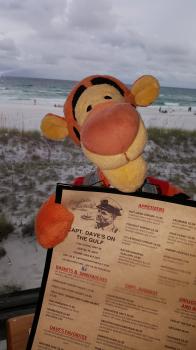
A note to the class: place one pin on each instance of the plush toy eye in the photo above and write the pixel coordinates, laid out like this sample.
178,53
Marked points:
107,97
89,108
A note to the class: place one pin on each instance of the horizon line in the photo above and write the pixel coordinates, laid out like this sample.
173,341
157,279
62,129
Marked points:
76,81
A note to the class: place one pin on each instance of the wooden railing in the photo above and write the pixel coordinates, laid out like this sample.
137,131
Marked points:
15,304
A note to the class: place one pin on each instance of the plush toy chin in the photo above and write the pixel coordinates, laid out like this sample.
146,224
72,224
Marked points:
129,177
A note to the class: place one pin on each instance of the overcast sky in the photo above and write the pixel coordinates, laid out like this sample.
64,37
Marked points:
70,39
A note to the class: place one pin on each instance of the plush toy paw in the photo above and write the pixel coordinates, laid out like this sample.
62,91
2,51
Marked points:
53,223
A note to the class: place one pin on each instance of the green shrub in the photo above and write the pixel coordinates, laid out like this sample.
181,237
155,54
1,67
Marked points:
2,252
28,229
6,227
10,288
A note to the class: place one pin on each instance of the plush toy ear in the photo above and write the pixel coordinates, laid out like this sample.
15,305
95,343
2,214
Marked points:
145,90
54,127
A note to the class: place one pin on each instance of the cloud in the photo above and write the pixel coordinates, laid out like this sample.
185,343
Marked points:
91,15
7,45
70,39
9,54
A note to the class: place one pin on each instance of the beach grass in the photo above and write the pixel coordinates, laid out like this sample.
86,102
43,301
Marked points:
9,132
161,135
30,165
158,135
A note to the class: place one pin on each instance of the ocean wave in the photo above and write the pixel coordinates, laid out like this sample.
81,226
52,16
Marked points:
171,104
22,98
3,88
50,91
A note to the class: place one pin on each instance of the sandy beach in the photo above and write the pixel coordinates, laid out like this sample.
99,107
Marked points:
24,116
28,117
175,118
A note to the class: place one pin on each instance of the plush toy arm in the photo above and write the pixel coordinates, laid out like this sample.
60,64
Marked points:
52,224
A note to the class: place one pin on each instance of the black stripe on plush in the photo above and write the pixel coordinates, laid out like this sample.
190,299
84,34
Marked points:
102,80
76,133
77,94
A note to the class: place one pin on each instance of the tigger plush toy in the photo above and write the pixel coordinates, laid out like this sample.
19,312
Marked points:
100,116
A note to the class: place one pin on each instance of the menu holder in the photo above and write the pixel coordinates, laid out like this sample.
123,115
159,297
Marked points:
125,276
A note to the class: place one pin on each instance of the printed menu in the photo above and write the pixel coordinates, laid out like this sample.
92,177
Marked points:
124,278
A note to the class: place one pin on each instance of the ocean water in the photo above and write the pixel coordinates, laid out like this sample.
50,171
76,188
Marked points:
51,91
27,90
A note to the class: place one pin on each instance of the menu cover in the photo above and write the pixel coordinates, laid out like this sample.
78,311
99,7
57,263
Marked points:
124,278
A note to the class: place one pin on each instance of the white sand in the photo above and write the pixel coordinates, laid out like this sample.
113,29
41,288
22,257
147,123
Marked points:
175,118
25,117
25,258
28,117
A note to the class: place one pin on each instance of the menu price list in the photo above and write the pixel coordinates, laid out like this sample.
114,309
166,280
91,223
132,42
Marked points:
130,287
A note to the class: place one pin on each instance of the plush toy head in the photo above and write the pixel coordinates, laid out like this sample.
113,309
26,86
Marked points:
100,115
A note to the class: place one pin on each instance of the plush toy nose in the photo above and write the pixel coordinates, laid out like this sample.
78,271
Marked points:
110,128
